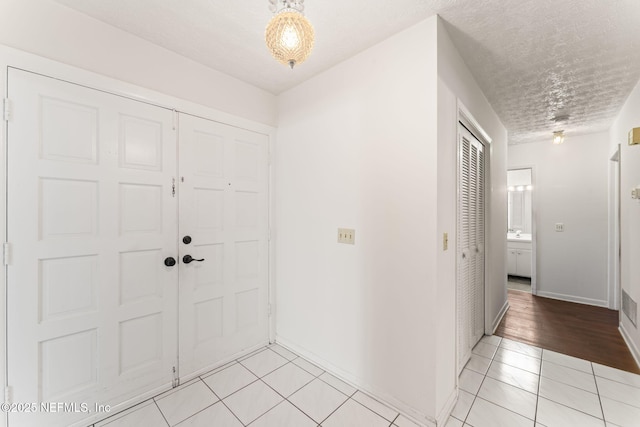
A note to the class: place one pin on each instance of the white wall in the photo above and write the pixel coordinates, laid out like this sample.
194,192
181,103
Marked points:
56,32
371,144
570,187
628,118
457,82
357,148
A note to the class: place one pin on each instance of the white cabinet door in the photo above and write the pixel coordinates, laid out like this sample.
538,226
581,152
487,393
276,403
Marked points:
512,262
91,306
224,211
524,263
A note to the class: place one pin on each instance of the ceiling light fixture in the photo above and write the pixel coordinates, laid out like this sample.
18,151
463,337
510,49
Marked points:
289,35
558,137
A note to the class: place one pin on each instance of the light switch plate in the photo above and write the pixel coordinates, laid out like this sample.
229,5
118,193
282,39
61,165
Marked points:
634,136
347,236
559,227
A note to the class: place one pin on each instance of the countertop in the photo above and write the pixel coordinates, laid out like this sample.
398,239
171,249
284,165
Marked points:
524,237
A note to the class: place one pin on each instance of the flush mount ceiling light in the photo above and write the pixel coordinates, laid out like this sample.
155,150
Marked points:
558,137
289,35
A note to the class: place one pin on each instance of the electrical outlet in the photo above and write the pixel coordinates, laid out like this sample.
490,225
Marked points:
559,227
347,236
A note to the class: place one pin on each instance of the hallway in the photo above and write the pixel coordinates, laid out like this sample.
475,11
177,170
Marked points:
583,331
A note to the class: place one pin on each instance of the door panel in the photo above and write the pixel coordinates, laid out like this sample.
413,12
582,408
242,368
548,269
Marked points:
223,208
91,216
470,249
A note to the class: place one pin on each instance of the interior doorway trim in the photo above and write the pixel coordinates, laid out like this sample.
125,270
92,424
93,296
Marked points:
614,283
466,119
534,269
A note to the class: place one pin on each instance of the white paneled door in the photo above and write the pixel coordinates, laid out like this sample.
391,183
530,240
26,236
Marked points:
91,216
96,309
223,227
470,250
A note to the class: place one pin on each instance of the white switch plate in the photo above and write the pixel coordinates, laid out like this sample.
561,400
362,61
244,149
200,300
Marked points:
347,236
559,227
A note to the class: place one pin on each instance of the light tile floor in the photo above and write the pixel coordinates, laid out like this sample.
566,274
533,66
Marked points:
510,384
506,383
271,387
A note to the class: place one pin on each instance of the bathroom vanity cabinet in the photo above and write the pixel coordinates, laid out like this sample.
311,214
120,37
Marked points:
519,257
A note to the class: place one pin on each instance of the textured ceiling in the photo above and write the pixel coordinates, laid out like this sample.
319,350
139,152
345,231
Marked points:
541,59
534,59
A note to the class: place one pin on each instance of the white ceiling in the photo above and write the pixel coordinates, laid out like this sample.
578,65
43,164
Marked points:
534,59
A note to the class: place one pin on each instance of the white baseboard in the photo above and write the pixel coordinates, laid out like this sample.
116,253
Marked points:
572,298
421,420
632,346
444,415
498,319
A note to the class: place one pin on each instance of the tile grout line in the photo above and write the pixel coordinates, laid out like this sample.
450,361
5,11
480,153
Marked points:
286,399
539,375
335,410
475,397
320,379
252,382
222,401
598,392
578,388
365,406
349,397
496,404
535,414
161,413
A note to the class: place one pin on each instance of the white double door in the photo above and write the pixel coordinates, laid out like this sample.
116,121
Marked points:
101,191
470,247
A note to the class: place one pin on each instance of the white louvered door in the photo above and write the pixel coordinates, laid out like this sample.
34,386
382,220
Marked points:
470,244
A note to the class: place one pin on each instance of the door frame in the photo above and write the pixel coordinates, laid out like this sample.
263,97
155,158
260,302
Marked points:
14,58
614,282
534,270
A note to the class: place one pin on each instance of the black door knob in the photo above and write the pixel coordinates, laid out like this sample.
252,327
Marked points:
169,261
188,258
186,240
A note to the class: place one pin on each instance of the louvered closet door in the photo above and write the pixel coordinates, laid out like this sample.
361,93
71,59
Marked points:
470,245
224,210
92,309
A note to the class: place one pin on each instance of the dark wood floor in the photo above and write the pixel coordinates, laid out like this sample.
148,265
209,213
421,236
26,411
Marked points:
578,330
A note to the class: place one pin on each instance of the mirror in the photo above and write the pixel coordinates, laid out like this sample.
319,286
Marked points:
519,196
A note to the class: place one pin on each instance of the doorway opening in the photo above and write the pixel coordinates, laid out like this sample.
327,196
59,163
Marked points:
521,230
614,232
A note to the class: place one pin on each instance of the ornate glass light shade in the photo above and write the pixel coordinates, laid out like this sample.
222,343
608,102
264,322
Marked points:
558,137
289,35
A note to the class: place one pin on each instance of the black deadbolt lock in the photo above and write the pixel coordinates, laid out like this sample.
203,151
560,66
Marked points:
169,261
186,240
